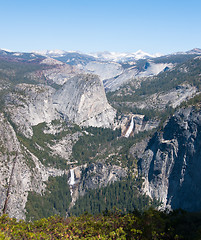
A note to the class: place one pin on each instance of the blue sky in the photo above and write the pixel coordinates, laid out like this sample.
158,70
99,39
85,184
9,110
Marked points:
101,25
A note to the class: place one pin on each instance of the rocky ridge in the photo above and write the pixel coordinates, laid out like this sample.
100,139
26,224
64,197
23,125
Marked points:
30,105
61,73
170,162
133,73
173,98
28,172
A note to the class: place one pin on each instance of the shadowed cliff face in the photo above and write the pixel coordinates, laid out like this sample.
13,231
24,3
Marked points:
171,162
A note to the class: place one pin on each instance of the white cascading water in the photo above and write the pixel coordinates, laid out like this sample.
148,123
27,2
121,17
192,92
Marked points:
130,129
72,177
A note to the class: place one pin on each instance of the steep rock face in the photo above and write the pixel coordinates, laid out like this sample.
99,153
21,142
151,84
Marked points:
171,162
24,169
91,176
134,123
99,174
82,100
30,105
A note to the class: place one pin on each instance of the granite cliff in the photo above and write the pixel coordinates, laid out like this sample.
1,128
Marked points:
82,100
170,162
21,170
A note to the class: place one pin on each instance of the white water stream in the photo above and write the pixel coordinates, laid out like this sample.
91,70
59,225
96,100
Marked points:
72,177
130,129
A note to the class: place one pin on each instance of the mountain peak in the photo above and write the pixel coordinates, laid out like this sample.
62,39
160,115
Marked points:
6,50
52,53
123,56
194,51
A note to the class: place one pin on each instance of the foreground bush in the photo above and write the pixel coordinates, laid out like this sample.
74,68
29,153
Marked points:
110,225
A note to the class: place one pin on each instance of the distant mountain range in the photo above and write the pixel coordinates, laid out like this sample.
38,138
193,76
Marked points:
114,69
112,56
69,56
100,56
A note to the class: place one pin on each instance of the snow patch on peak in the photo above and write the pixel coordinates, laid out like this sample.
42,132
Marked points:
52,53
142,55
7,50
17,54
121,57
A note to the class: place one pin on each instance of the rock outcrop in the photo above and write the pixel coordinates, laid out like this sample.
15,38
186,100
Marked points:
82,100
91,176
30,105
172,98
132,124
171,162
135,74
22,169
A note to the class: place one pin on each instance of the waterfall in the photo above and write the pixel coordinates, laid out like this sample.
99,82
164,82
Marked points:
130,129
72,177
